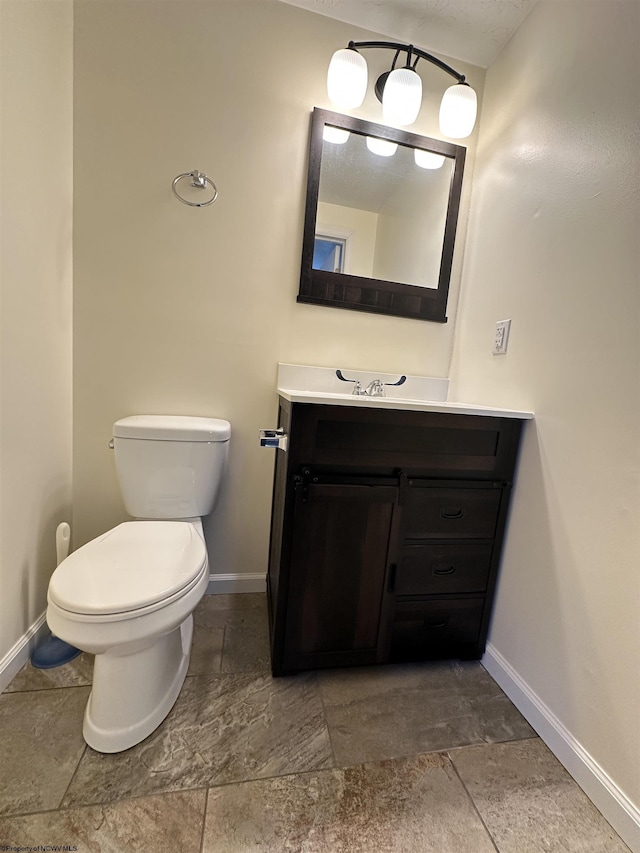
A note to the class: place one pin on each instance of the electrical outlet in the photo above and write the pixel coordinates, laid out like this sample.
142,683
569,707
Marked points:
501,338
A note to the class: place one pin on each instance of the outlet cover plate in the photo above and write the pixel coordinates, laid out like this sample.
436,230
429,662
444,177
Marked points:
501,338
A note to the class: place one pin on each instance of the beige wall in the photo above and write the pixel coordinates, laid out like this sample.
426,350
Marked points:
185,310
553,244
35,302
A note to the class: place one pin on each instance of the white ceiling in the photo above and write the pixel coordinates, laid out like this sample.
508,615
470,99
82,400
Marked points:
474,31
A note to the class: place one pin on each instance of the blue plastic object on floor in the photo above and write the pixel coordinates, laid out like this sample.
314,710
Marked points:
53,652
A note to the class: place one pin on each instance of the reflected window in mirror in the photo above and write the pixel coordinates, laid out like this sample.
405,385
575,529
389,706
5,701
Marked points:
393,198
329,252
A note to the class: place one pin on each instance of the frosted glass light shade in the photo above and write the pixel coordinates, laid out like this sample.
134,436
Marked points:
427,159
337,135
402,97
347,78
458,111
382,147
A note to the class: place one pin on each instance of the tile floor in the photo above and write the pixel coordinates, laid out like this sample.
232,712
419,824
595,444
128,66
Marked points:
421,758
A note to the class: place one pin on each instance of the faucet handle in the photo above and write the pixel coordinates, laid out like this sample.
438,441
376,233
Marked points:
400,381
357,385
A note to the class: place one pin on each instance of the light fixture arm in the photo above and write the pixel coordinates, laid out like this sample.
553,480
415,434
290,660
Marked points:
410,49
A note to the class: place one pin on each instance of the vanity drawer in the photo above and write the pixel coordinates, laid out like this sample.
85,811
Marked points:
446,628
437,513
443,568
427,444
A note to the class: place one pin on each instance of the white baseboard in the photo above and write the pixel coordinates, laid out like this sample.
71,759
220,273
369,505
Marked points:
19,654
616,807
221,584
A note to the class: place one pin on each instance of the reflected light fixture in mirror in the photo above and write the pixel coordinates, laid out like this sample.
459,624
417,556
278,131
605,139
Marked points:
427,159
335,134
381,147
400,89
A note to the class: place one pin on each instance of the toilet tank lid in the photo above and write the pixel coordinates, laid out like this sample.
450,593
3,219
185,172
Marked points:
172,428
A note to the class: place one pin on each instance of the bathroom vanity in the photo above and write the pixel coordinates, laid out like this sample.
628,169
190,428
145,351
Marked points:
387,525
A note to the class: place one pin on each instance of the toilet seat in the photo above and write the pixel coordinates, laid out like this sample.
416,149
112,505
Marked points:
136,568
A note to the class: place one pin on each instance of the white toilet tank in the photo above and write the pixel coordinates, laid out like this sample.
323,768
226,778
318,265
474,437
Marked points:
170,466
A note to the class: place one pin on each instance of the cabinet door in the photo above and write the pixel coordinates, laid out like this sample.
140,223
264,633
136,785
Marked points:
343,542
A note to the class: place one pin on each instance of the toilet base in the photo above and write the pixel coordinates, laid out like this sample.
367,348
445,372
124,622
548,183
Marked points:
133,693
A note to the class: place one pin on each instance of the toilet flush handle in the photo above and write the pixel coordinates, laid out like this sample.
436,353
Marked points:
111,445
274,438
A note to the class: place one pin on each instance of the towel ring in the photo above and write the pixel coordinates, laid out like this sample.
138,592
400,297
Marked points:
198,180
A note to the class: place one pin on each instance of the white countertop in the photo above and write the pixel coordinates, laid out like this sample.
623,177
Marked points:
319,385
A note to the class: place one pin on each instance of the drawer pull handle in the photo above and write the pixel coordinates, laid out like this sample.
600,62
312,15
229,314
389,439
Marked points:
444,569
441,624
451,512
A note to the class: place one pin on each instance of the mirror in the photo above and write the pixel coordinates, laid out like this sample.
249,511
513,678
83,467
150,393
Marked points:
380,220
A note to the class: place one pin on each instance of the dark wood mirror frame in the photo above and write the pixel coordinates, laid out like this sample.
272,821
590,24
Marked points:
320,287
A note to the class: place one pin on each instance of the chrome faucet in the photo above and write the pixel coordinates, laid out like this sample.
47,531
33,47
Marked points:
374,389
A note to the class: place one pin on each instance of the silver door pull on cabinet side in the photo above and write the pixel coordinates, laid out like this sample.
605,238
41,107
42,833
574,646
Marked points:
274,438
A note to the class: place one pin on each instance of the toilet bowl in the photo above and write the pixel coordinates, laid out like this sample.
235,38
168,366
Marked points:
128,596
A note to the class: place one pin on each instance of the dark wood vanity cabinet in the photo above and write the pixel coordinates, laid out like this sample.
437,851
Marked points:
386,533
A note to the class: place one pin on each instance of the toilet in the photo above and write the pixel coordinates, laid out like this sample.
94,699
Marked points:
128,596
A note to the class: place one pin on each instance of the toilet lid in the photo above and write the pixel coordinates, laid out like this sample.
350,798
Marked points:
136,564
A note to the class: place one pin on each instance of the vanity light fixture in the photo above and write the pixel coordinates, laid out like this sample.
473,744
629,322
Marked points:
400,89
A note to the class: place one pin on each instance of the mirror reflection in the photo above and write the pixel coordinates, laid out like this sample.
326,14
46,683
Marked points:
382,209
380,220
